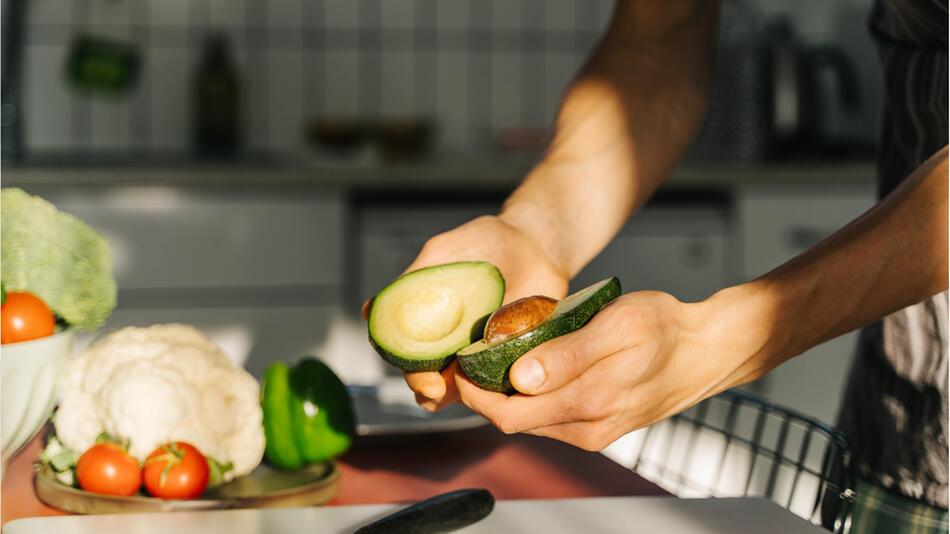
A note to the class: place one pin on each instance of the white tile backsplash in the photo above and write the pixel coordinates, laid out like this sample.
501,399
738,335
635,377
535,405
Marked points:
284,76
225,13
506,90
341,14
453,14
473,89
452,99
111,123
341,84
169,98
169,12
50,11
397,89
398,13
285,13
44,90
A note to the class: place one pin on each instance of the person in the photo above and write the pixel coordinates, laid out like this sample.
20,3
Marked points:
622,125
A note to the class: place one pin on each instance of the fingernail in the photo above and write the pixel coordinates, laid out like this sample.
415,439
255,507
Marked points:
529,374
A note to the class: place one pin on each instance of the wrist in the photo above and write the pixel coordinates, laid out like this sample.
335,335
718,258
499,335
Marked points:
742,327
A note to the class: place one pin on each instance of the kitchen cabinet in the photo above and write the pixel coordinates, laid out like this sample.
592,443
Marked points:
166,238
681,250
390,237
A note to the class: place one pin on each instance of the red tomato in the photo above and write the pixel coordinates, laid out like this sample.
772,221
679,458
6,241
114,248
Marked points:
176,470
23,317
106,468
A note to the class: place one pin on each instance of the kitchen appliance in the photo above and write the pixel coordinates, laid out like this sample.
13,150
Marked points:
772,95
802,105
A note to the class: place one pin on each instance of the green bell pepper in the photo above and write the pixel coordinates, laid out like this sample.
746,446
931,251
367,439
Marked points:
308,415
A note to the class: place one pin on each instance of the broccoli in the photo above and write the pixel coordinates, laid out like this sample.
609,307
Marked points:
56,257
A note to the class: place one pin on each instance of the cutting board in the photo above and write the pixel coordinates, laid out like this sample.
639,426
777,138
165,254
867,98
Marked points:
606,515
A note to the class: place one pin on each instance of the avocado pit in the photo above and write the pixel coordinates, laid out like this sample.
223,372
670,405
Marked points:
518,317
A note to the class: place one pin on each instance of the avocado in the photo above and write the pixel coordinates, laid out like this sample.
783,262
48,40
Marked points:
420,320
487,364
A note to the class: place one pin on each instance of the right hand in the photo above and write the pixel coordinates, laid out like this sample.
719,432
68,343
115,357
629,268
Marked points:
527,270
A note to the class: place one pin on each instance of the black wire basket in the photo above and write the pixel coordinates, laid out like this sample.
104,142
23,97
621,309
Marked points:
738,445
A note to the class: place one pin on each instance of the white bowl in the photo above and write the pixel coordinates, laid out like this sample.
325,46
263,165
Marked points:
29,372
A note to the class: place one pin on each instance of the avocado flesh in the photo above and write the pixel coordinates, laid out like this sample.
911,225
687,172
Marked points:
487,364
420,320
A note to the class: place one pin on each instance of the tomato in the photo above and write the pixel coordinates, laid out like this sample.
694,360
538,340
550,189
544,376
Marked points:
23,316
176,470
106,468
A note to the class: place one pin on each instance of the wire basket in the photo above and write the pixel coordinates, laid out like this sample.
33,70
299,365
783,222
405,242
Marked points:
738,445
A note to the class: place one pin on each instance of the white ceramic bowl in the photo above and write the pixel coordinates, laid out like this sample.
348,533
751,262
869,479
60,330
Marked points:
30,371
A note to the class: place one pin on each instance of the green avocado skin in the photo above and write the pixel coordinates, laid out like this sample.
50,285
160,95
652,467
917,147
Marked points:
489,368
414,365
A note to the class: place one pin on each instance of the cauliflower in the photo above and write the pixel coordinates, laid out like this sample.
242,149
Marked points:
159,384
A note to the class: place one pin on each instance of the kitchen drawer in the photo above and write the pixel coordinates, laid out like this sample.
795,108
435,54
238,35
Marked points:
168,237
256,337
683,251
778,223
391,237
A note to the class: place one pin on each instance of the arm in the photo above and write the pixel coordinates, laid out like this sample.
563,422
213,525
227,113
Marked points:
622,126
648,356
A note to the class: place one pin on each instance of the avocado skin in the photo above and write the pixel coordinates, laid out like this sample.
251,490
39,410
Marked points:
414,365
489,368
441,361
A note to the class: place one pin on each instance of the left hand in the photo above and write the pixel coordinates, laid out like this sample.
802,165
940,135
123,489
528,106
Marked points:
644,357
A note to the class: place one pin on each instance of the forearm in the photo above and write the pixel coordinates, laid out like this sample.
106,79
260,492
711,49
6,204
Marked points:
893,256
621,128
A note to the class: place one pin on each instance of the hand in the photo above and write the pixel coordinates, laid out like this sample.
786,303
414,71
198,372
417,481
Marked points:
644,357
526,268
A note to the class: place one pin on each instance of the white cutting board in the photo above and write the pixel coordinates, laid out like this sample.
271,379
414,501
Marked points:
607,515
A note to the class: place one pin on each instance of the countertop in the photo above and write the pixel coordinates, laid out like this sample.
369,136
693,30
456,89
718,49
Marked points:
457,172
393,469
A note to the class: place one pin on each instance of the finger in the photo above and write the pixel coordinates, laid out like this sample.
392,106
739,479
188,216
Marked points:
431,385
434,390
518,413
555,363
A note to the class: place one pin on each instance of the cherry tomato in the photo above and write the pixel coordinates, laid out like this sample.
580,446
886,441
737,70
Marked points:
23,316
106,468
176,470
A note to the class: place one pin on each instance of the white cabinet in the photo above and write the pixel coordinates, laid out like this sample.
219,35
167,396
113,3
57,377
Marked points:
681,250
776,223
390,238
175,237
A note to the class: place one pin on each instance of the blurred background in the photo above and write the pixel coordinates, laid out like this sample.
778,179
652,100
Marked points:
260,168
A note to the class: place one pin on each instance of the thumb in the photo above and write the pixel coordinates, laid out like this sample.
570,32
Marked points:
553,364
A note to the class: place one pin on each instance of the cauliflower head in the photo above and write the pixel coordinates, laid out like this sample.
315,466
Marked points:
158,384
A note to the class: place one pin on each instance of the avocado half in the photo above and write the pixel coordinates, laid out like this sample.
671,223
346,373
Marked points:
421,319
487,364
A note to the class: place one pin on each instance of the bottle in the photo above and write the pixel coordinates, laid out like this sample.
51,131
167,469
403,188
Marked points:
216,101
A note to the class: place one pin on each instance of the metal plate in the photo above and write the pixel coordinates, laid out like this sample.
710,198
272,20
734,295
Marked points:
263,488
382,410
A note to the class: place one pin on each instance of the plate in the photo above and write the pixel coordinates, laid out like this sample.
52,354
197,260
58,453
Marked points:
263,488
389,408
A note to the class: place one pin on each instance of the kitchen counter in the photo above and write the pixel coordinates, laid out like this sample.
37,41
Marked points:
410,468
447,173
